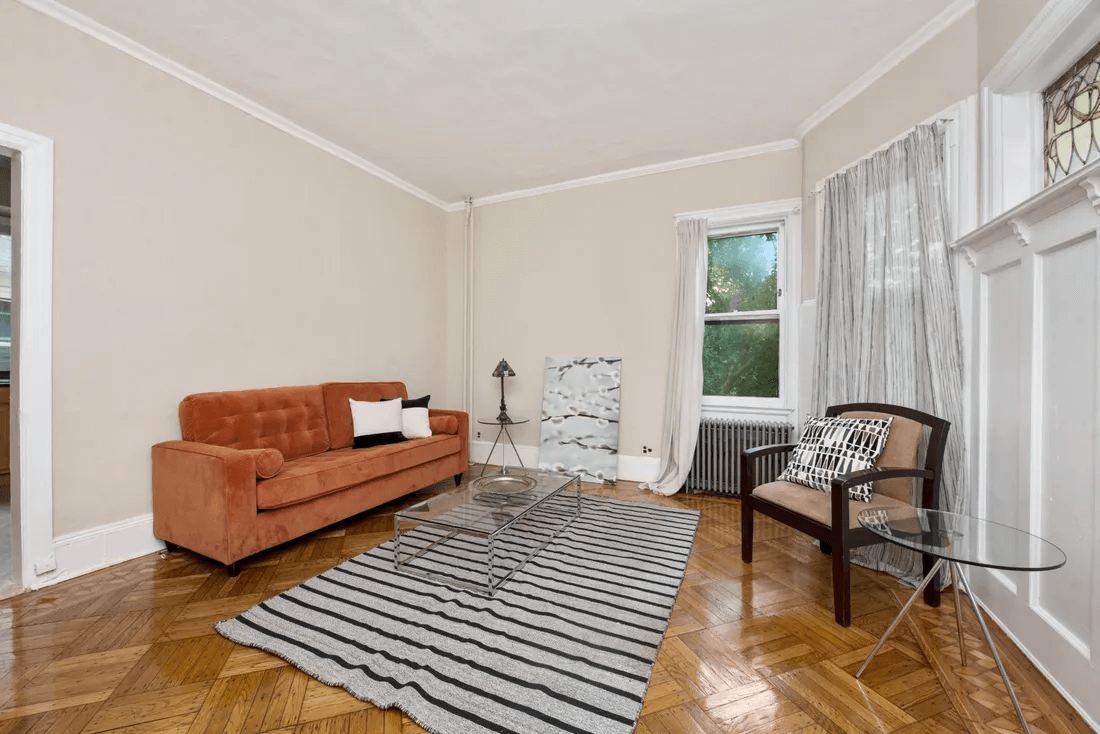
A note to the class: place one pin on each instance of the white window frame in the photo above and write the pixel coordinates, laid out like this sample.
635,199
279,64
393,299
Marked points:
784,217
1011,101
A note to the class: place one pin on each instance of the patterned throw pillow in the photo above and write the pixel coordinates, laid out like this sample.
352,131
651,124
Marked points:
833,446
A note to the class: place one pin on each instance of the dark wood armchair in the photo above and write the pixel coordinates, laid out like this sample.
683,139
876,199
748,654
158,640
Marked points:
830,517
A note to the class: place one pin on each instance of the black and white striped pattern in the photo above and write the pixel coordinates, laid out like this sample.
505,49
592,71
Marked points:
567,645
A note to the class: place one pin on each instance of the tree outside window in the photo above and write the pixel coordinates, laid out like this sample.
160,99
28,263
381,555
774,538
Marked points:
741,332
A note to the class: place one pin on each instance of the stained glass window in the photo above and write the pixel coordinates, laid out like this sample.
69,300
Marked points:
1071,117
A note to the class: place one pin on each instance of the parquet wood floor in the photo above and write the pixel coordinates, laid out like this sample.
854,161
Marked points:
750,648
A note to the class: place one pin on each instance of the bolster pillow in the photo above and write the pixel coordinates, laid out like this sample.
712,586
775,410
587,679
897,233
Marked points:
268,461
443,424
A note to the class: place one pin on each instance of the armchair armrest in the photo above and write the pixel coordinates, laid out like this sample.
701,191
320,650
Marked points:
862,476
748,466
203,497
841,483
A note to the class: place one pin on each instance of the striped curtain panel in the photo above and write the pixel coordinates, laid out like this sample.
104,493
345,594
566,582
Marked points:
887,319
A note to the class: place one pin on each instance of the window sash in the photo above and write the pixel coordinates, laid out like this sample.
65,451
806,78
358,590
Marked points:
751,317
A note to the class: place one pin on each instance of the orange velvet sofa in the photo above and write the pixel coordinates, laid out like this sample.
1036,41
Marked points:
256,468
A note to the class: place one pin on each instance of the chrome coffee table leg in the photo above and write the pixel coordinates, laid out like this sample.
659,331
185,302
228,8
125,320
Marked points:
927,578
993,649
958,612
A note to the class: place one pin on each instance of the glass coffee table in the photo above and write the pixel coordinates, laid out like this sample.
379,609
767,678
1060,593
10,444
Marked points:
478,536
953,539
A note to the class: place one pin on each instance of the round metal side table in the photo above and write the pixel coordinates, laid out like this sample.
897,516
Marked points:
502,430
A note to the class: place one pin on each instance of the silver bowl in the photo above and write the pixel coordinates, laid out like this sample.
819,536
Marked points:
504,483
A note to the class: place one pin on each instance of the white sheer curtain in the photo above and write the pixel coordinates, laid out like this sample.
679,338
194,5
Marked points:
887,321
684,394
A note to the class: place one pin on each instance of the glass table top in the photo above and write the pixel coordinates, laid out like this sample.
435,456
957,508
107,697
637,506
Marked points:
963,539
513,420
486,505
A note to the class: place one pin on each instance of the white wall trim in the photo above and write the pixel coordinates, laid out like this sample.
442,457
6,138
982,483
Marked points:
90,550
944,20
631,468
32,383
1057,36
732,215
702,160
132,48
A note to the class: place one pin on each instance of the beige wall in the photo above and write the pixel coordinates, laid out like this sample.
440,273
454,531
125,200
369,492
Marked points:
939,74
1000,23
591,271
187,259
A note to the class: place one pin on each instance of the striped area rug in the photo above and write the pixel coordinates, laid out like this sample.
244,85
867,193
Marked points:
567,645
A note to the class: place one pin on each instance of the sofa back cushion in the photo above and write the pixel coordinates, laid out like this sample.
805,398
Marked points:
290,419
338,409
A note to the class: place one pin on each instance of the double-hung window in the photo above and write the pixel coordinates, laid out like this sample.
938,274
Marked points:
750,332
742,323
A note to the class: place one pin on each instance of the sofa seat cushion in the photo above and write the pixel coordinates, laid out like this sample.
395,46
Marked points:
818,505
313,476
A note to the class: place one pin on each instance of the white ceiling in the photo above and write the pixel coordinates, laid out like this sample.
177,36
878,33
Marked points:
483,97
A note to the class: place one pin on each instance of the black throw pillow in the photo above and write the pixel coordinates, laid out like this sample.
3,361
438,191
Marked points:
416,402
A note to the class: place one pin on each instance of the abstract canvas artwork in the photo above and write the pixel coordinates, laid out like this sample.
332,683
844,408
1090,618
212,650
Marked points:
580,417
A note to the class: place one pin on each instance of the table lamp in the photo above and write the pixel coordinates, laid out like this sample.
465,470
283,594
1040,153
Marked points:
502,371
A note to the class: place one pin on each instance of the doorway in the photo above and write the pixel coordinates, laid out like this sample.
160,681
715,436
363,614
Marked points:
8,578
31,159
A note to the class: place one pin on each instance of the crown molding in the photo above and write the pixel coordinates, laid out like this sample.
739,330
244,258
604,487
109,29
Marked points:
701,160
128,46
1056,38
944,20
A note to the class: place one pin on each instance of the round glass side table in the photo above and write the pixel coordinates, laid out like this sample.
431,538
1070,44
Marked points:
952,538
502,430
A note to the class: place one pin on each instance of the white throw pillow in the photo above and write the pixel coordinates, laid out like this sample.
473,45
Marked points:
375,423
414,423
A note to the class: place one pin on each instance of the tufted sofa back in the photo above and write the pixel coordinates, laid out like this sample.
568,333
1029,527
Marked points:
290,419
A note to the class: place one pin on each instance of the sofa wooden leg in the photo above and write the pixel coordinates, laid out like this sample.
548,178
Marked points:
233,569
170,547
458,478
826,548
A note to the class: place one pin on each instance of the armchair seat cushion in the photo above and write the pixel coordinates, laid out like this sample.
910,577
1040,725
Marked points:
818,505
313,476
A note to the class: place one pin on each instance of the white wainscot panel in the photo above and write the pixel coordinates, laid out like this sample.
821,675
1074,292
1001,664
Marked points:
1000,488
1032,305
1067,325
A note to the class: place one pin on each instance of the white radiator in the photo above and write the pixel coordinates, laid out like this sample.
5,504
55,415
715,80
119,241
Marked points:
717,464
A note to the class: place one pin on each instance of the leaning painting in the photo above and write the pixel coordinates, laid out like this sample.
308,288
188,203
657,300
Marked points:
580,417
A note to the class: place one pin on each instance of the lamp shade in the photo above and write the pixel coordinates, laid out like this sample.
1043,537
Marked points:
503,369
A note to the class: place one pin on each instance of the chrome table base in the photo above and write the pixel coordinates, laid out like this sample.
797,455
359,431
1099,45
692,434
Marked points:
956,578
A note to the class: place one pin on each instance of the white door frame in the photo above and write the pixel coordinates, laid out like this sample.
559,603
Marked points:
32,371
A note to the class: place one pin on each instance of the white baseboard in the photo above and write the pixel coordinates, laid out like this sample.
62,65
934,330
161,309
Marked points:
1073,702
631,468
90,550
